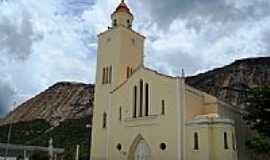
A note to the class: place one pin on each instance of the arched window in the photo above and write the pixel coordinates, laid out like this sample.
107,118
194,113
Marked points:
120,113
104,120
226,146
141,99
163,107
146,99
196,141
135,102
114,22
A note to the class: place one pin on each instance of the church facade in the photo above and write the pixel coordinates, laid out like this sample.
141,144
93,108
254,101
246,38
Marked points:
141,114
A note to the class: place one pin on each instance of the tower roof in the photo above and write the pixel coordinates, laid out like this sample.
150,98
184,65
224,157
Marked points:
122,7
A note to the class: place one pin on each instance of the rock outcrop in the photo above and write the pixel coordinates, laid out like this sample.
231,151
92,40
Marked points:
68,100
229,83
64,100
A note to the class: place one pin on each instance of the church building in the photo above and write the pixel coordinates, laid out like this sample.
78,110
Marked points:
141,114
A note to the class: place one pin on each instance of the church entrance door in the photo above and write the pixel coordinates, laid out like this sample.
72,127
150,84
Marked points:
142,151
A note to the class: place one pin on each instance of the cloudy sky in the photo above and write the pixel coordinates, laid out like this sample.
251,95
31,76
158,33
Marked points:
46,41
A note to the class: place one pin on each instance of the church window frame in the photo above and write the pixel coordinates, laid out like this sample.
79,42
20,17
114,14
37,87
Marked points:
146,99
196,141
115,22
225,141
135,92
106,75
104,120
119,147
163,109
103,76
110,74
120,114
163,146
233,141
141,99
129,23
129,71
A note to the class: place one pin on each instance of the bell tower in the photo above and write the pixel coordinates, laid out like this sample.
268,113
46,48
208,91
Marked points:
122,16
120,51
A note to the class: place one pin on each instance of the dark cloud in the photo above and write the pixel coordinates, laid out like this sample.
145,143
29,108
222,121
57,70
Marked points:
200,12
7,94
16,37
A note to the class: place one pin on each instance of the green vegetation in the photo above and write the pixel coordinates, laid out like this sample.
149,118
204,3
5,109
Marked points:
39,156
258,117
22,132
38,132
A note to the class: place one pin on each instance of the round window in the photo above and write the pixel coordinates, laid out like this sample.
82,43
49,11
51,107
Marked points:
163,146
119,147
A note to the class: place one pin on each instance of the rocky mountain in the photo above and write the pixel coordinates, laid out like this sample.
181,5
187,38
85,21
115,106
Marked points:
229,83
67,100
64,100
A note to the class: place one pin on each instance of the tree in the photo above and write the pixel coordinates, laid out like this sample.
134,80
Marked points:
38,155
258,110
258,118
69,153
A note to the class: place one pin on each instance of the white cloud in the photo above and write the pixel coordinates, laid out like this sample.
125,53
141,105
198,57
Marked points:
42,45
56,40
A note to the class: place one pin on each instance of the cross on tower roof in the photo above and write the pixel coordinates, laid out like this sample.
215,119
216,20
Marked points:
122,7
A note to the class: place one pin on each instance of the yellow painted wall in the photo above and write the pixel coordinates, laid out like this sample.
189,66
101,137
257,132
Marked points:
186,109
156,128
211,139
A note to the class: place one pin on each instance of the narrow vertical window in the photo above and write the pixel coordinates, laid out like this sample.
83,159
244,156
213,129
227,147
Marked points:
163,107
120,113
226,146
146,99
114,22
104,121
127,72
107,80
141,99
196,141
103,76
135,102
110,75
233,142
106,76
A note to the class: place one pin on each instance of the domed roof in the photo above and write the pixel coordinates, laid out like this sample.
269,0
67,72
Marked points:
122,7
